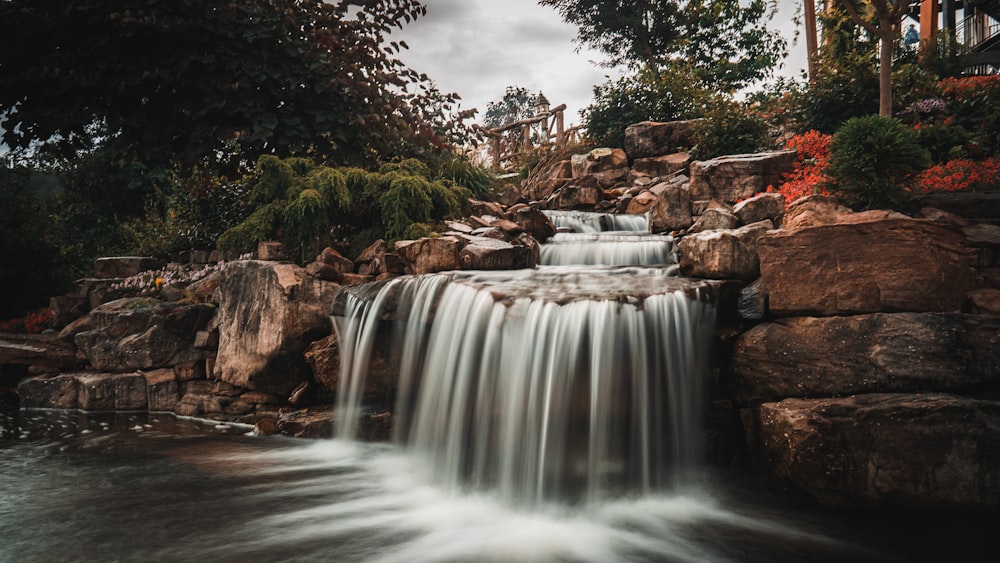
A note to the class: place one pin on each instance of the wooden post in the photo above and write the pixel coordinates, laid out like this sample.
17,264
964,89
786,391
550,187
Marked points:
560,133
928,22
811,46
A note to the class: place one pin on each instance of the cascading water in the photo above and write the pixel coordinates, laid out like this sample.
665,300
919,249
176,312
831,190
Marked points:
605,239
553,384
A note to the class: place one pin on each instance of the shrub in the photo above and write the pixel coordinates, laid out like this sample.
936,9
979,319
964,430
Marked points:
871,158
728,127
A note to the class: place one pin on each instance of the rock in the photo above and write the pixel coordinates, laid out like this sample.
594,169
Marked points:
323,357
880,352
736,177
661,166
112,391
333,258
761,207
271,251
374,251
810,211
162,390
713,220
206,289
486,208
583,193
927,451
303,395
307,423
323,271
125,266
651,138
752,302
599,161
723,254
36,350
534,222
940,216
672,209
49,392
67,308
985,301
491,254
428,255
641,203
888,265
268,315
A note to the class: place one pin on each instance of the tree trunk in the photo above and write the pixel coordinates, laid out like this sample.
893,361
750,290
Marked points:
886,43
811,44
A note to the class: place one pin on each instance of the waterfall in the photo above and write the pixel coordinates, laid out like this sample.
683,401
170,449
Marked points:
542,385
590,222
608,249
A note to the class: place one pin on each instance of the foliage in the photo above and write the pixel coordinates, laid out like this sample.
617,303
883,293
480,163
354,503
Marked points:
516,104
961,175
729,127
841,89
172,80
871,158
725,43
643,96
460,171
32,323
944,56
297,201
808,176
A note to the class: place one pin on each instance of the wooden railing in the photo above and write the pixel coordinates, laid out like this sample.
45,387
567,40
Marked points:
509,142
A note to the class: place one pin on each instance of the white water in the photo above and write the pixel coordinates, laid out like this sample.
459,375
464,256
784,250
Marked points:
608,249
540,401
589,222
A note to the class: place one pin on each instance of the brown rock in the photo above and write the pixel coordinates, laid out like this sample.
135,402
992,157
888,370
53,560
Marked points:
985,301
323,357
491,254
271,251
112,391
583,193
162,390
428,255
889,265
723,254
268,315
534,222
486,208
323,271
928,451
307,423
661,166
36,349
372,252
336,260
810,211
599,161
651,138
672,209
940,216
760,207
881,352
641,203
736,177
714,219
49,392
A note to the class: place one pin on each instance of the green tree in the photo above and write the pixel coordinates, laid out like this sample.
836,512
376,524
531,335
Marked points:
516,104
176,79
725,42
882,19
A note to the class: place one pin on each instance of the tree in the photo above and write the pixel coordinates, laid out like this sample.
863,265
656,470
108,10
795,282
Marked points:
176,79
882,19
725,42
517,103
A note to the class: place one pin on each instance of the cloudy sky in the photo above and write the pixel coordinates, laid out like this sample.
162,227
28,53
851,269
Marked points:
477,48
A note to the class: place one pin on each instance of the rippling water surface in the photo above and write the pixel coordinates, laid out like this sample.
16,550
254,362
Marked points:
88,487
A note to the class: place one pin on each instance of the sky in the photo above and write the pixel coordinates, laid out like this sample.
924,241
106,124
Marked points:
476,48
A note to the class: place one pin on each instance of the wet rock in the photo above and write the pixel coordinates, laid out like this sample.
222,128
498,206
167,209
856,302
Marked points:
902,450
491,254
323,357
307,423
761,207
534,222
162,390
428,255
736,177
845,268
672,209
900,352
723,254
112,391
303,395
582,193
985,301
752,301
45,350
49,392
268,315
651,138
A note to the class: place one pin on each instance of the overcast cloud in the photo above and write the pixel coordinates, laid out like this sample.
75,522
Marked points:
477,48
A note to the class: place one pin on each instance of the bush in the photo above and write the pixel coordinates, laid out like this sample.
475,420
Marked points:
871,158
840,91
961,175
729,127
808,177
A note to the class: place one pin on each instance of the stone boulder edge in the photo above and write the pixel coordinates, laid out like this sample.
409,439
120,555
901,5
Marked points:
737,177
885,265
269,313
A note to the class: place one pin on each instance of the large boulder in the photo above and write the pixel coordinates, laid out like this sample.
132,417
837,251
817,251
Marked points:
652,138
723,254
602,161
268,314
583,193
430,254
769,206
660,166
142,333
736,177
482,253
714,219
49,392
672,209
881,352
112,391
865,267
900,450
533,222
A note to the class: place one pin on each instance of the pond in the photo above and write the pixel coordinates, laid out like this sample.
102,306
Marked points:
151,487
